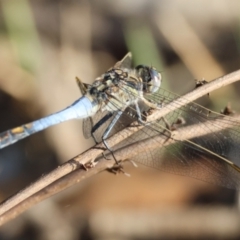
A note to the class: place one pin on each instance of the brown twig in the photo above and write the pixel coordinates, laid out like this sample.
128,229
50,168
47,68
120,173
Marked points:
50,184
57,186
103,164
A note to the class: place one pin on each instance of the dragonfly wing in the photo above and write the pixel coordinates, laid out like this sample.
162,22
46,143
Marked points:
98,124
126,62
204,151
178,159
87,127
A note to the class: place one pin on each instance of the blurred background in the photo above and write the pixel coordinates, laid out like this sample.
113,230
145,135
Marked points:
44,45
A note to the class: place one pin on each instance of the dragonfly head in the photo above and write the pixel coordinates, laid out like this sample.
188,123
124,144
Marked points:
151,78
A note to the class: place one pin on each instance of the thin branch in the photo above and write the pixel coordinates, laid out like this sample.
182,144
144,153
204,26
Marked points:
18,200
56,187
103,164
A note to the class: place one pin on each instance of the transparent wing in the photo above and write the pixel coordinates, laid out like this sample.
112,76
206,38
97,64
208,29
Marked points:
203,152
87,126
98,124
184,158
126,62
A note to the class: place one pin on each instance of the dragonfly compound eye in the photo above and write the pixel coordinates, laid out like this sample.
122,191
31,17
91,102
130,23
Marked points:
151,78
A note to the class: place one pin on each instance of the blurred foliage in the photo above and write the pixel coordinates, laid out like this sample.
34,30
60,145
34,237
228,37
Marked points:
22,33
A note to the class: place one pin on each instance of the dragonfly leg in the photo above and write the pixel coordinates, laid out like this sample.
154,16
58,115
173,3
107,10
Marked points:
95,127
103,154
142,116
101,148
98,124
107,132
171,128
139,114
168,128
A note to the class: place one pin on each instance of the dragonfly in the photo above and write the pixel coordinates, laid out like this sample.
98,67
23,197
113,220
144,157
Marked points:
124,96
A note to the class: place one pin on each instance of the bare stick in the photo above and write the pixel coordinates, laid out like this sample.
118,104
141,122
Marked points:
57,186
91,154
123,153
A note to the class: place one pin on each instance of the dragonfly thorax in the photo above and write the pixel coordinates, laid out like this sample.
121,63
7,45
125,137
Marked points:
120,87
115,89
